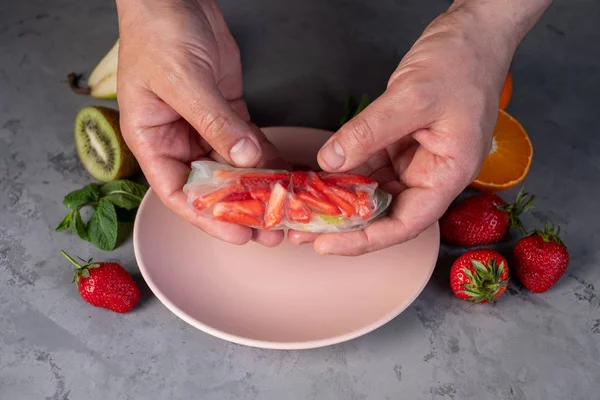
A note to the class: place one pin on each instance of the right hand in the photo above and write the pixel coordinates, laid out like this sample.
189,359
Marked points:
180,97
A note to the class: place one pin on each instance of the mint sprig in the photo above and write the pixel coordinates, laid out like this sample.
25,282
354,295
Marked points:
352,107
113,203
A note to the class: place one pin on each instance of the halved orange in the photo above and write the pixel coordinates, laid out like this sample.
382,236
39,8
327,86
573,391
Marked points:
506,92
509,160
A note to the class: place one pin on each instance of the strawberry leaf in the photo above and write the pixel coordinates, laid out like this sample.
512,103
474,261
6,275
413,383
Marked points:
478,265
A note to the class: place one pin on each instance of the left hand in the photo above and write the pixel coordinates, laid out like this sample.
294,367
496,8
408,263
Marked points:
180,96
425,137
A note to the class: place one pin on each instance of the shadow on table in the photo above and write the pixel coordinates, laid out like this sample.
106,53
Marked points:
146,295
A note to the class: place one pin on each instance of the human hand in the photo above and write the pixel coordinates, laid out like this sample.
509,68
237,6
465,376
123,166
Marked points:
180,97
425,137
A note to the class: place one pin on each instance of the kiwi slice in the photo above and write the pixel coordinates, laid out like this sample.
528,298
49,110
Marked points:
100,145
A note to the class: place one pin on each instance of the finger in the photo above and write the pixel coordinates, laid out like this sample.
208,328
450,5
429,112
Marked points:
300,237
267,238
167,177
378,168
413,211
239,106
196,97
177,202
271,157
426,189
394,115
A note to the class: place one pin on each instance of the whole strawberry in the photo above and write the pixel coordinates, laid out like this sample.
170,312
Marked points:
483,219
479,276
106,285
540,259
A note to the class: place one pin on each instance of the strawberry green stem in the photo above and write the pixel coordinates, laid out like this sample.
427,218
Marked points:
551,233
485,281
68,257
523,203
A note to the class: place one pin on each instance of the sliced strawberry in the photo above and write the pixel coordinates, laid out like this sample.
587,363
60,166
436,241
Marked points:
317,182
299,179
239,218
296,210
228,174
250,207
313,191
319,204
347,179
274,214
264,180
342,193
210,199
238,197
363,206
261,194
345,207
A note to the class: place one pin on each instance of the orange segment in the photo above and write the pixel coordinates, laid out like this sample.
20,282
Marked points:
506,92
509,160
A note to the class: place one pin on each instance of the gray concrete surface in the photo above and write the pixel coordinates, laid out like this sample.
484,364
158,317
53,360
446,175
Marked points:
300,58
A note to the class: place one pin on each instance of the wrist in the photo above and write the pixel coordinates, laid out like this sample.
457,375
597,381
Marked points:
508,20
136,6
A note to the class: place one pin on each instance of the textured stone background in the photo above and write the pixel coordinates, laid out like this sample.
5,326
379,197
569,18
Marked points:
300,58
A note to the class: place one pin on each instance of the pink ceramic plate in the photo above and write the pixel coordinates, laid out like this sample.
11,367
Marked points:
287,297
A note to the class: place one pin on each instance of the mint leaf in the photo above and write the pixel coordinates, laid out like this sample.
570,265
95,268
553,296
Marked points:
103,227
65,223
349,109
79,226
352,108
364,102
79,198
123,193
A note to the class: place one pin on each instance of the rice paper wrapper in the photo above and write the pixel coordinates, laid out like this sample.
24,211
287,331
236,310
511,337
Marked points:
278,199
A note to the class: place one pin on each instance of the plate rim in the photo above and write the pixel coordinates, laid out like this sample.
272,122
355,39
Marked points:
265,344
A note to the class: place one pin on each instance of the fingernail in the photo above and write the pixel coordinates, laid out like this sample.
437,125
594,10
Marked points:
333,155
243,152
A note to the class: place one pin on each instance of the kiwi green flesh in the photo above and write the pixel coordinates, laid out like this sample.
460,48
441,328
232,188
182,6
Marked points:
97,144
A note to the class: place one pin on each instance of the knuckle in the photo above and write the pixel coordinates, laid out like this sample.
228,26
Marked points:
360,134
411,87
467,169
213,124
131,128
470,173
421,96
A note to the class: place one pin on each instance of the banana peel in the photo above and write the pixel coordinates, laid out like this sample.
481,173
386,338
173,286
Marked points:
102,83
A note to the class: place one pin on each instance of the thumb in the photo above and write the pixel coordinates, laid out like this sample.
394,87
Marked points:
395,114
198,100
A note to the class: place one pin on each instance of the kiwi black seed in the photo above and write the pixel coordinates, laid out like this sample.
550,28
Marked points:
100,145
